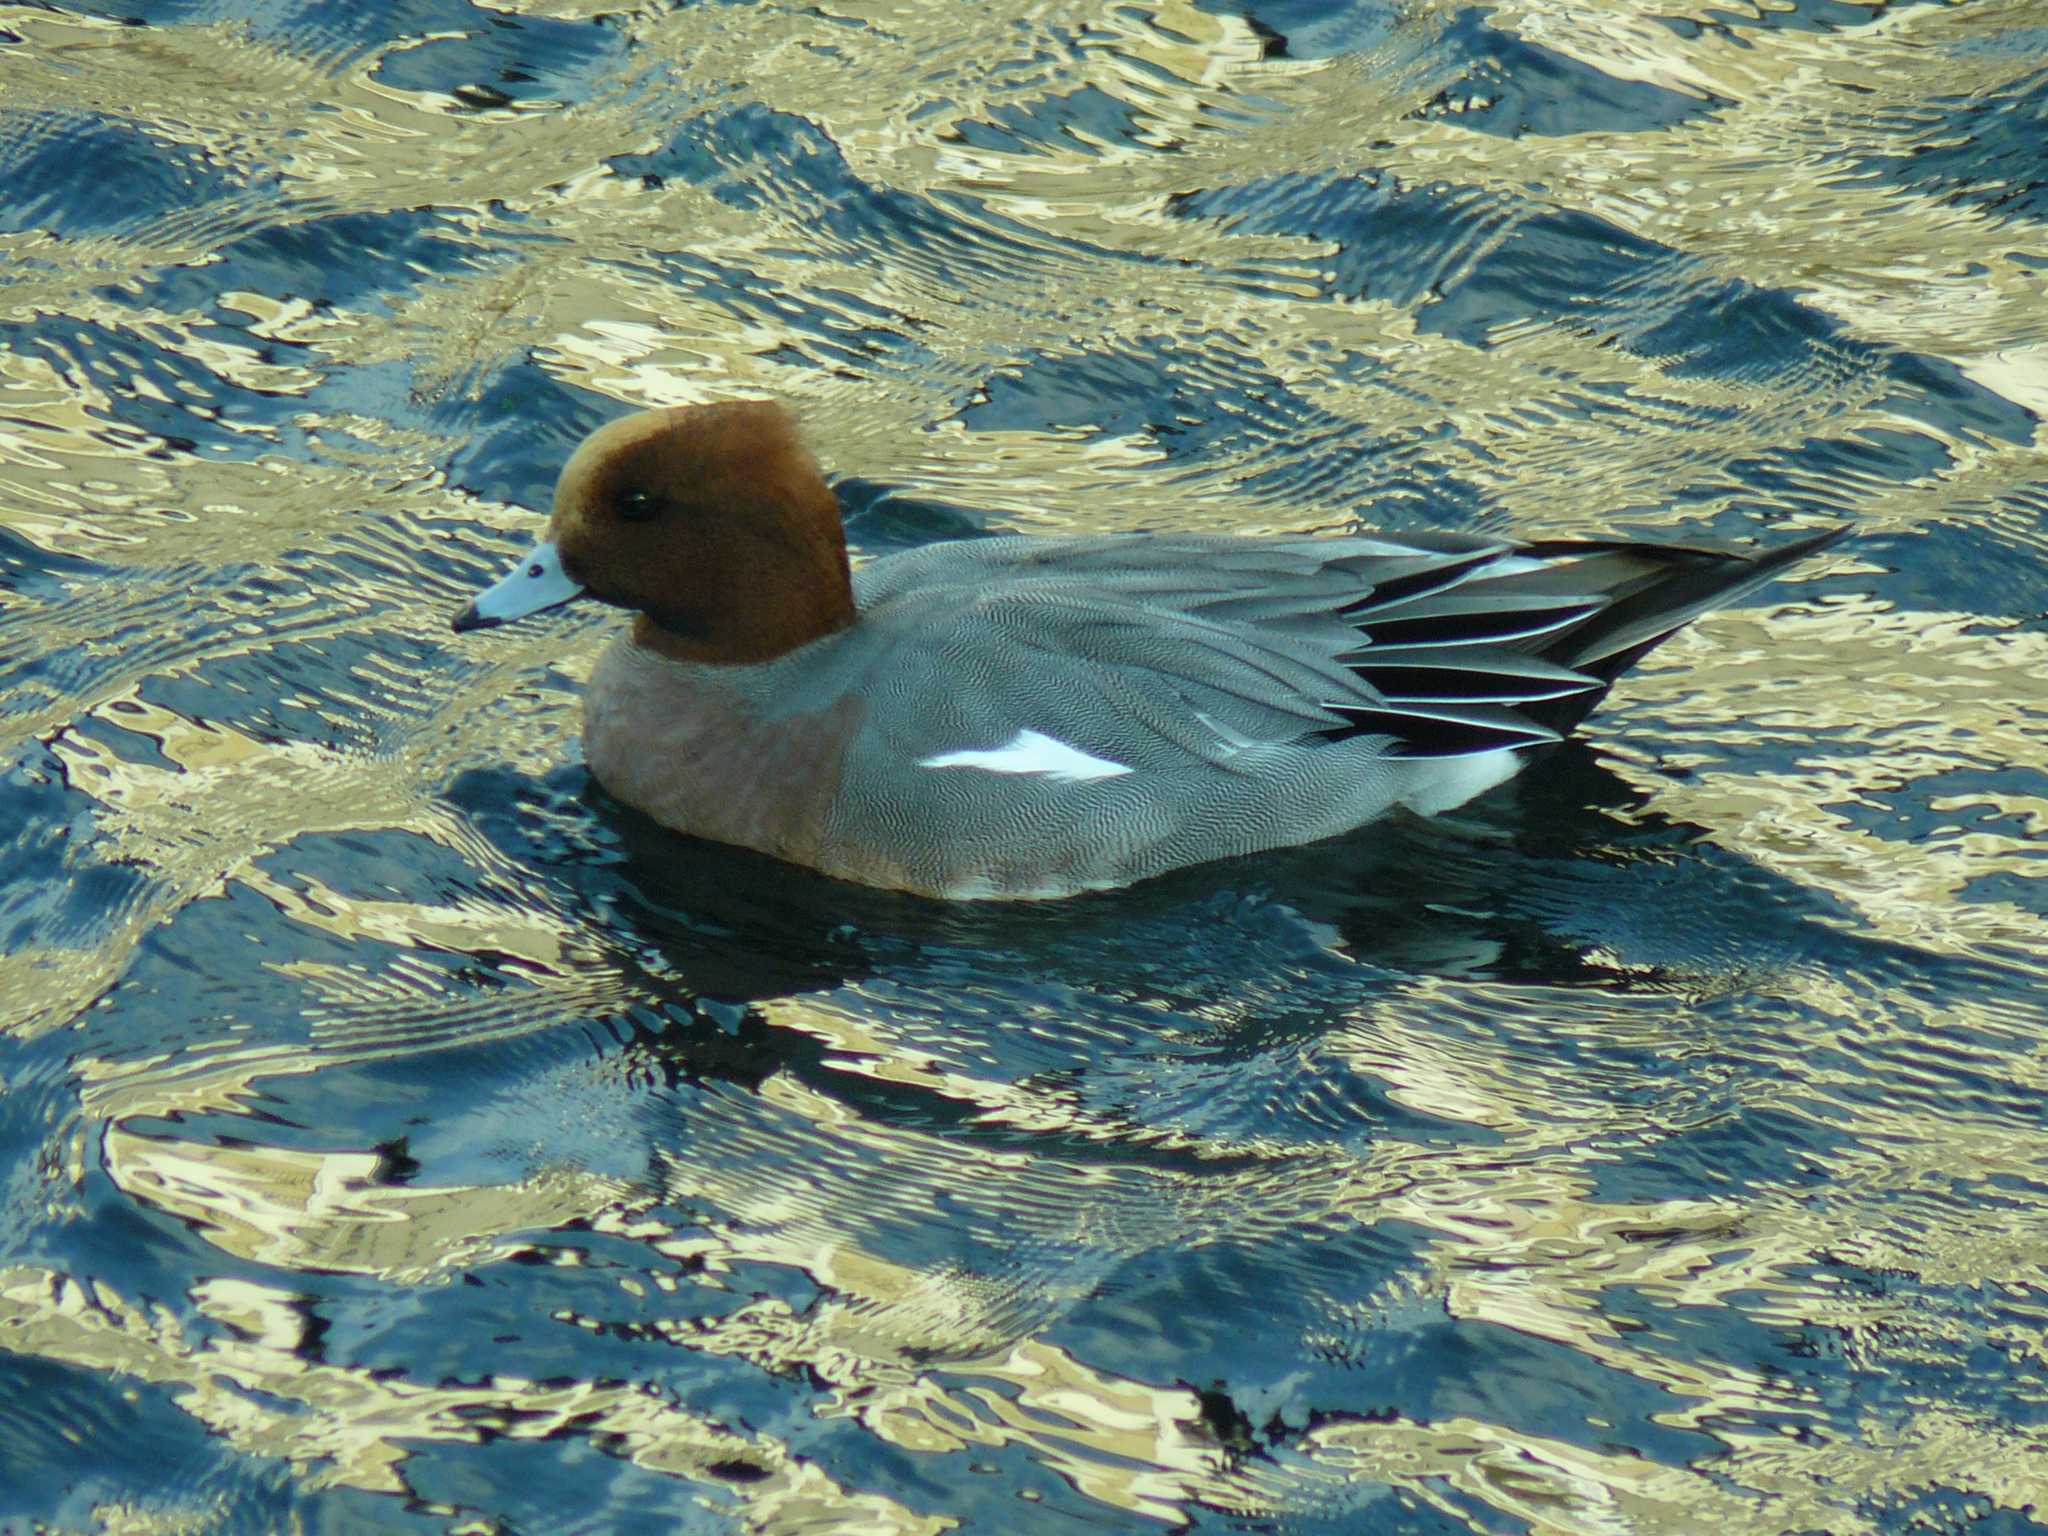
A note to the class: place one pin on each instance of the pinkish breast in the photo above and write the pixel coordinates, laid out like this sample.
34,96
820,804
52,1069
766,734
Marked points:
677,741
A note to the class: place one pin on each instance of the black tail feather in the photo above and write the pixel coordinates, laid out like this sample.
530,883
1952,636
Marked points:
1483,661
1693,582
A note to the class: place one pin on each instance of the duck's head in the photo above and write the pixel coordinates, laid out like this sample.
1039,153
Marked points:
711,521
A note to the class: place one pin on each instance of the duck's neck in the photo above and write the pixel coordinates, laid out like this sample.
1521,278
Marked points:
745,624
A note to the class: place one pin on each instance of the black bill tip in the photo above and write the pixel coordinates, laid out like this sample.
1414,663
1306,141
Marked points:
470,619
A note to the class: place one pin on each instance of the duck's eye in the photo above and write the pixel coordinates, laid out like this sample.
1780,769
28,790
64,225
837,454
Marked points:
637,505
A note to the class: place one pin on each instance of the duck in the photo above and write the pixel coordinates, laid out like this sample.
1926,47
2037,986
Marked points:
1024,716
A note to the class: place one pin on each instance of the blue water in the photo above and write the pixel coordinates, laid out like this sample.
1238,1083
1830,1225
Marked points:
396,1134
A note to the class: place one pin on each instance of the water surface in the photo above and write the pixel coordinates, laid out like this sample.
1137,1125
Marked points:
397,1135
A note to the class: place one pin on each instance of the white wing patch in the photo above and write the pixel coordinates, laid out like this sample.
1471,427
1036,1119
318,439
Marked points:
1031,752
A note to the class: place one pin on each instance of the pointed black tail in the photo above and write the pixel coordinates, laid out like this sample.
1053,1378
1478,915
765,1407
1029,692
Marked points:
1654,591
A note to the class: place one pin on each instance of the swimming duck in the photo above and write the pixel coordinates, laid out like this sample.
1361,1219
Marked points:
1025,716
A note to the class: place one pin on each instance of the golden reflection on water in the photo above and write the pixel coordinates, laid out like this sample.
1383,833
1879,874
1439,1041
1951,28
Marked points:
1553,426
339,1427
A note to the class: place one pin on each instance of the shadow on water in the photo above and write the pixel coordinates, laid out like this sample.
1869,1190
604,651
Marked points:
1529,885
1276,1004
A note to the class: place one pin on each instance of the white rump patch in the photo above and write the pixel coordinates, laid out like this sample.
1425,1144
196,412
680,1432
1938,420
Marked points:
1031,752
1442,784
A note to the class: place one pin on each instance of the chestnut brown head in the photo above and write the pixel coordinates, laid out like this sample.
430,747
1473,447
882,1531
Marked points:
711,521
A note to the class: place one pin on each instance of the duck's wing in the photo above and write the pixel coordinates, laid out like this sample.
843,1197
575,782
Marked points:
1153,649
1444,645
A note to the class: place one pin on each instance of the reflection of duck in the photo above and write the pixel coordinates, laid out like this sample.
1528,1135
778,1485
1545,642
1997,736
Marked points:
1031,717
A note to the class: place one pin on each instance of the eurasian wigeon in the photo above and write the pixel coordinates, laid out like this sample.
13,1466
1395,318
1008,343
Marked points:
1032,717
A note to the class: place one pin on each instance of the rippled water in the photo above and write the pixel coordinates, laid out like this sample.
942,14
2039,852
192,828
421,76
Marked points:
395,1135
